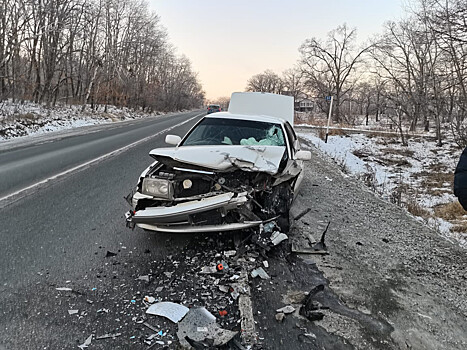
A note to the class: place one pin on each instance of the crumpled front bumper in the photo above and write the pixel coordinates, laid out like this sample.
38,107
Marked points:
179,218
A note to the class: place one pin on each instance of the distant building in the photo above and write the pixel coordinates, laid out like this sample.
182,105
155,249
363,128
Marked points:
304,105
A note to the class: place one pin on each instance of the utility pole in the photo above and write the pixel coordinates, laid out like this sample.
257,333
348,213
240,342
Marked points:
329,117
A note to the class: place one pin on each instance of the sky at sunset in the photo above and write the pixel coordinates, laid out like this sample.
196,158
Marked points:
228,41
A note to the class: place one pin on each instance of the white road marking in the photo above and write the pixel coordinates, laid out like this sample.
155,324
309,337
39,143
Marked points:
82,166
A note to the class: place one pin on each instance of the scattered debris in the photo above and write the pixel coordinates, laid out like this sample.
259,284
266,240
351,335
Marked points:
143,278
265,263
149,299
302,214
261,273
312,247
106,336
310,308
209,269
199,326
286,309
65,289
278,237
150,327
280,316
172,311
230,253
110,254
86,343
72,312
222,313
224,289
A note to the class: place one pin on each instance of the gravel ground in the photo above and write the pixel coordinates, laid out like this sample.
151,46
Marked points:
391,282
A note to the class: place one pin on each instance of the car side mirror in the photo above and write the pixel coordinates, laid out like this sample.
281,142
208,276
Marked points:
303,155
173,139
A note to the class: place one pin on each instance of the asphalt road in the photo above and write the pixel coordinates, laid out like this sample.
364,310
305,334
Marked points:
58,228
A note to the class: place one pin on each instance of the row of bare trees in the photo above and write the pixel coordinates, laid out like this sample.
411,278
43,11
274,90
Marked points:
414,72
92,51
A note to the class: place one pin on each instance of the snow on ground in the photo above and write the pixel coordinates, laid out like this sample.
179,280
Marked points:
417,177
24,119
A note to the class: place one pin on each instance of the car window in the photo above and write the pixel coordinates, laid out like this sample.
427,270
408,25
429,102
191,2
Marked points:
221,131
214,106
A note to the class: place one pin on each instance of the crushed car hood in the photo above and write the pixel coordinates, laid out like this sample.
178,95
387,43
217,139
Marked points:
223,158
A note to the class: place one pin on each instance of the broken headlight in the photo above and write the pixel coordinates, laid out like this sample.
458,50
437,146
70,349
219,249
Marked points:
160,188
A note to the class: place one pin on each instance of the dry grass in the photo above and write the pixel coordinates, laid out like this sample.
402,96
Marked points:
332,132
405,152
460,227
416,209
450,211
437,179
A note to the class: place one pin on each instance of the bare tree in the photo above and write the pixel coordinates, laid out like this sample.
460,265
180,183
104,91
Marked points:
92,51
329,65
268,81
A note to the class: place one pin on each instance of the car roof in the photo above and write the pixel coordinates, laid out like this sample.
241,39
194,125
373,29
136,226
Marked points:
260,118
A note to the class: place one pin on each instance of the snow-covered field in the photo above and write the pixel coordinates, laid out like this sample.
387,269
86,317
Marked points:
419,177
25,119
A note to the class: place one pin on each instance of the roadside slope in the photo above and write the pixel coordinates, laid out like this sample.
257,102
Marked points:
390,281
383,264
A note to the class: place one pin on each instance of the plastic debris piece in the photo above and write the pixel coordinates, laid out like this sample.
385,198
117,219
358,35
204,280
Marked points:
229,253
72,312
94,289
280,316
149,299
106,336
223,313
143,278
235,295
159,289
286,309
209,269
261,273
150,327
223,289
269,227
278,237
110,254
220,267
86,343
265,263
199,325
65,289
174,312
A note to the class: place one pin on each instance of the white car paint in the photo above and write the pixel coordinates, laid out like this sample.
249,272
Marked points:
262,103
221,158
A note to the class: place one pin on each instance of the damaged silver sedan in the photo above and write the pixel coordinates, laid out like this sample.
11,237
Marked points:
233,170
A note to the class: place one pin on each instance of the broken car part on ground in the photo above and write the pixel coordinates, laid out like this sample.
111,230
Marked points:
233,170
